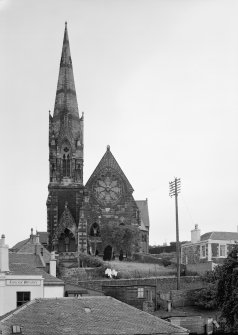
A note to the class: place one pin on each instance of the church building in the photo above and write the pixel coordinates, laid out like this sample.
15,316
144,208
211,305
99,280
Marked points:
76,212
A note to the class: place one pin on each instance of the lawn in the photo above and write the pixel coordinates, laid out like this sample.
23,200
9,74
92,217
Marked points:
139,270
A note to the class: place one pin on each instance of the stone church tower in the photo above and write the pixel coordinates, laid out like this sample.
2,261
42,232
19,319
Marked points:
66,190
76,214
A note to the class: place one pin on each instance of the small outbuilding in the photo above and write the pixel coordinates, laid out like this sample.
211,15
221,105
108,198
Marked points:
142,296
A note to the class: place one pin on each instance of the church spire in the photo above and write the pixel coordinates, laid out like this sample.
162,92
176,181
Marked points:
66,99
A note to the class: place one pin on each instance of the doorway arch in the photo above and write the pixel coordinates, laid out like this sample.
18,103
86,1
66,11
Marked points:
107,255
67,241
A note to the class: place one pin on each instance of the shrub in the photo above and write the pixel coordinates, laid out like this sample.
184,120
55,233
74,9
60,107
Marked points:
90,261
206,297
166,262
146,258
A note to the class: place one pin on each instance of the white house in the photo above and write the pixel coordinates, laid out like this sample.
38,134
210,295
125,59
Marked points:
21,282
207,250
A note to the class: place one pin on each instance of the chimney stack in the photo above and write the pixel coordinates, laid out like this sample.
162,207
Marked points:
4,255
52,264
37,238
195,234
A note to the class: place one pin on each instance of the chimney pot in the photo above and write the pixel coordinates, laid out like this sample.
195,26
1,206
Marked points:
4,255
195,234
37,238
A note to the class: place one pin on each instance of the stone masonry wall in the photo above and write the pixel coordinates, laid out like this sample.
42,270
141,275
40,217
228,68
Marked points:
163,284
200,268
191,254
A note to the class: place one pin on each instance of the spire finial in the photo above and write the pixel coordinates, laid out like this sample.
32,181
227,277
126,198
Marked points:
108,147
66,24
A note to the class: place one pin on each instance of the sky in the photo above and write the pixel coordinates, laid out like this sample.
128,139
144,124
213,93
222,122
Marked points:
157,80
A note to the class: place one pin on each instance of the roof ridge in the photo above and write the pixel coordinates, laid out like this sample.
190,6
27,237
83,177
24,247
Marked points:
220,231
25,241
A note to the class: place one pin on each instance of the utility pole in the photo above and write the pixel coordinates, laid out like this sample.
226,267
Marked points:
174,189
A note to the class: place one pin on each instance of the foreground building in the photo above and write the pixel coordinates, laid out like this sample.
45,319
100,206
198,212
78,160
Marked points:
76,212
205,251
21,282
88,315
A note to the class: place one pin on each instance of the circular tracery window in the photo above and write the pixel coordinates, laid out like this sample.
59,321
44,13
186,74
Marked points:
107,188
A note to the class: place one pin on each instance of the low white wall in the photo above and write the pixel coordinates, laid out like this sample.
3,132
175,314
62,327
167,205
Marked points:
51,291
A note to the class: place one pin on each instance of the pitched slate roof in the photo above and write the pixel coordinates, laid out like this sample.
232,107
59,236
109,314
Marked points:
19,245
30,259
220,235
43,240
31,246
143,207
87,315
26,269
43,237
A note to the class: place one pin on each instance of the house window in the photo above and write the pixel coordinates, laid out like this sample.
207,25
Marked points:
23,297
140,292
16,330
222,250
203,251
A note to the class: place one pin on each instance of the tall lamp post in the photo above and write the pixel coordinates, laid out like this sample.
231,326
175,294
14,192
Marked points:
174,189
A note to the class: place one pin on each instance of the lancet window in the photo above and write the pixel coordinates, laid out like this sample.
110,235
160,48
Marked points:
66,162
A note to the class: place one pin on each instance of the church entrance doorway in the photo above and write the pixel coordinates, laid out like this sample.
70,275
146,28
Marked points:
107,256
67,241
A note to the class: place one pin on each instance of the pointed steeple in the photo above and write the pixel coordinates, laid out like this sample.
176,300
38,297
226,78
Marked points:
66,99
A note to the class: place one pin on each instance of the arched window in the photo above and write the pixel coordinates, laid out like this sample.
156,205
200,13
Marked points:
94,230
68,166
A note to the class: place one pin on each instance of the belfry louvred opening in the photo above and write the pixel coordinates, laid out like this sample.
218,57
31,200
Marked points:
80,217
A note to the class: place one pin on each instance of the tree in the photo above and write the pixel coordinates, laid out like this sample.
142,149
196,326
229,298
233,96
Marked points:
123,237
227,290
130,239
206,297
222,290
